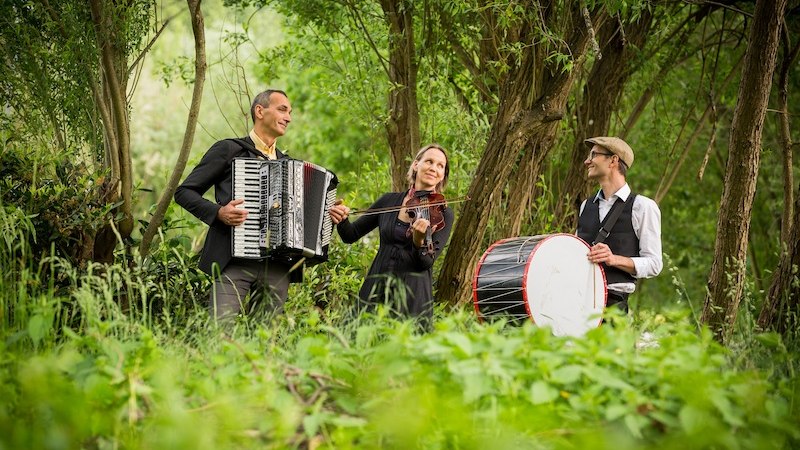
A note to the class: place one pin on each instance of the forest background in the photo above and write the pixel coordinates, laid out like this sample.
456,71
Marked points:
105,339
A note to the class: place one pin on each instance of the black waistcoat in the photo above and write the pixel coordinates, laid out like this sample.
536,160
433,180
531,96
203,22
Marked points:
621,241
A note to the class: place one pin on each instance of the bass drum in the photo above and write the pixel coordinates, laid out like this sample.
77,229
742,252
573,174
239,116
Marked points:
546,279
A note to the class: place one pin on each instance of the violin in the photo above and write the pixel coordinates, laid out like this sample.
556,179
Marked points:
429,206
425,204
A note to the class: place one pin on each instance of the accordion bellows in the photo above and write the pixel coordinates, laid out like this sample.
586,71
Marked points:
287,202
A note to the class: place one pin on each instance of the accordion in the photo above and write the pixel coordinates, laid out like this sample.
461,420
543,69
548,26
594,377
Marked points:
287,201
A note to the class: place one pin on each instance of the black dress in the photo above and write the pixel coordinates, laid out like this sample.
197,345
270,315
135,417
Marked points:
400,274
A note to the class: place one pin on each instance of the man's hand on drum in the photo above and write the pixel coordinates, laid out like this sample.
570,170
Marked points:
601,253
232,214
338,212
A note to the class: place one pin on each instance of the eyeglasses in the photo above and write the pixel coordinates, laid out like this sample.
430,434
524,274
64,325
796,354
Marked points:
593,153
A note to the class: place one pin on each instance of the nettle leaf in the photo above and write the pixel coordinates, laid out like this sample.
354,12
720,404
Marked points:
474,379
311,423
542,392
692,419
729,412
475,387
434,348
605,377
567,374
615,411
635,424
461,342
38,327
348,421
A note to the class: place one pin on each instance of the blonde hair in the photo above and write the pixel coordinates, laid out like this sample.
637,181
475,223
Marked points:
411,176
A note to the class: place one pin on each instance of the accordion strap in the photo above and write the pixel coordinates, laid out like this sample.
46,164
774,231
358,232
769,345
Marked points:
247,146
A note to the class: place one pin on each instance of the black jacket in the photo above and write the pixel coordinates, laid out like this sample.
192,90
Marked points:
215,170
398,257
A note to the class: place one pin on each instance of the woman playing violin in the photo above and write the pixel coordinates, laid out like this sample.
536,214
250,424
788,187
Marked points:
412,235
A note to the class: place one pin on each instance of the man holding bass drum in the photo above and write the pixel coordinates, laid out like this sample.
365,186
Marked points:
563,281
622,227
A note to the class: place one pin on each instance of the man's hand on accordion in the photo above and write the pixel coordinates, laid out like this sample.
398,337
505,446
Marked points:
231,214
338,212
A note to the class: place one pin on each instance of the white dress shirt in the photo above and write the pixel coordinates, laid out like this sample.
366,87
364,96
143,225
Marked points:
646,220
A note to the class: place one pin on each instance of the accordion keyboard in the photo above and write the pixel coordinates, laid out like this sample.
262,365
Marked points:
246,185
287,201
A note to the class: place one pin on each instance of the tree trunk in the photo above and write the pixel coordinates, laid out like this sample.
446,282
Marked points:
785,137
198,29
402,127
726,281
113,72
521,185
601,95
781,307
519,122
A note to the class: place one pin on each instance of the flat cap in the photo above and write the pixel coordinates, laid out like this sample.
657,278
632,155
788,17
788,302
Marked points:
615,145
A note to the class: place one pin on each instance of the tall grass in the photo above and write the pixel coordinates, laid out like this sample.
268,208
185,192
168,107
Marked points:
127,357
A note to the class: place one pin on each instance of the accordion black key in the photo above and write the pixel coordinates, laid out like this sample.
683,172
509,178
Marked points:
287,202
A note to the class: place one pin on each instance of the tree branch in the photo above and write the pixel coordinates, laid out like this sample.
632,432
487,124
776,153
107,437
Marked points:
150,44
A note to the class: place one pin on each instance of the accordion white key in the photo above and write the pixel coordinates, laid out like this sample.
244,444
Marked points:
287,202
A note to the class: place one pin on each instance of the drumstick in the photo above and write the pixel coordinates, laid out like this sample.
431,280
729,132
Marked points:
594,287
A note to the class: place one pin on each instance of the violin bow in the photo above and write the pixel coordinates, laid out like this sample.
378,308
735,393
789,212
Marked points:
369,212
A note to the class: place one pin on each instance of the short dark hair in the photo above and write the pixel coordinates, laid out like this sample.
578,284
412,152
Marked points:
623,168
263,100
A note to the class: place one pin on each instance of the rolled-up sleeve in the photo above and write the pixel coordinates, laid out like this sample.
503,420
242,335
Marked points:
646,221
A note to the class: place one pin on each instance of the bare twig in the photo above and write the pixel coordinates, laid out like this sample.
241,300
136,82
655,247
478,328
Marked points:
150,44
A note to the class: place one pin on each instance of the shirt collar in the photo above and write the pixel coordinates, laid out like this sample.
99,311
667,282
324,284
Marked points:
269,151
623,193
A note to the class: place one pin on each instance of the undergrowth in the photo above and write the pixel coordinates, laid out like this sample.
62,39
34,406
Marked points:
127,357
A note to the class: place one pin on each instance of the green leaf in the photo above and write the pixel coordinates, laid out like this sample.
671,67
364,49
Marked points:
567,374
726,408
461,342
311,424
635,423
770,339
615,411
692,419
348,421
541,392
38,327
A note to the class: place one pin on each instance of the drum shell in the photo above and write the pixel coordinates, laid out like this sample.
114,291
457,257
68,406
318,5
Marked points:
514,280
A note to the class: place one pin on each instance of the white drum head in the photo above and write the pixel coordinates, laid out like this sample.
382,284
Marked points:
563,290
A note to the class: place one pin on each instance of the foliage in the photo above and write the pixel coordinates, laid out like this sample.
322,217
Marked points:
314,378
81,368
45,70
52,63
59,197
125,355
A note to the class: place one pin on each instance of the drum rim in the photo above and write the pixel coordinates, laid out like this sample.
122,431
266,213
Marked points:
530,260
525,273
